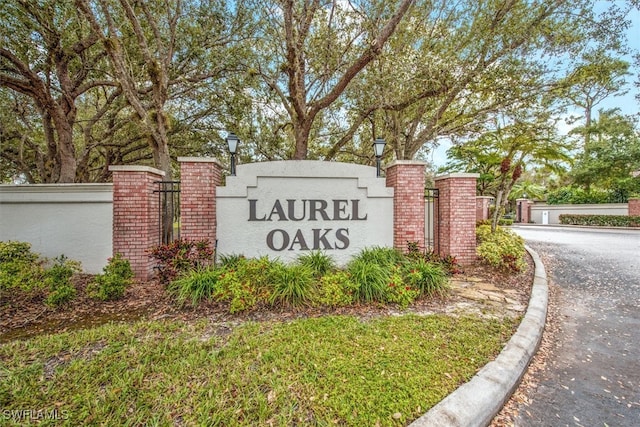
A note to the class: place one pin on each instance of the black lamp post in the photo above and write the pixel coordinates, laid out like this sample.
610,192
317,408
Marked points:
232,144
378,148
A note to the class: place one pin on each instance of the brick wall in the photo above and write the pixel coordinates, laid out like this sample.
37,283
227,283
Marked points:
457,222
136,216
407,179
199,178
634,207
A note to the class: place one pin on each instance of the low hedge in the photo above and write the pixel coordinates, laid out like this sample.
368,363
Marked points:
601,220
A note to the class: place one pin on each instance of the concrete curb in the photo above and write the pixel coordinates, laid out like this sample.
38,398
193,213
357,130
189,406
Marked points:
477,402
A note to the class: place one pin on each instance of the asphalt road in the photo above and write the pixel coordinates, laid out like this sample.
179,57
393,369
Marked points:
592,377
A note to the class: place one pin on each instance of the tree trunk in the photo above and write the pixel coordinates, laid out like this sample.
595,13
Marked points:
66,149
302,130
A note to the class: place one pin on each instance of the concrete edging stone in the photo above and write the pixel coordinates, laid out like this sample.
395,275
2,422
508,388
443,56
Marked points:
478,401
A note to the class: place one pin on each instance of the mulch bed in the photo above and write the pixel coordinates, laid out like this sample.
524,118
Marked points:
23,316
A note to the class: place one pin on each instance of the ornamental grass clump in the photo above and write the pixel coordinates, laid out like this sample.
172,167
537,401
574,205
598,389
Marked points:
370,278
195,287
319,262
502,249
383,256
292,284
428,277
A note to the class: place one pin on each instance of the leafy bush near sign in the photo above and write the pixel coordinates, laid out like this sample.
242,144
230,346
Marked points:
502,249
336,290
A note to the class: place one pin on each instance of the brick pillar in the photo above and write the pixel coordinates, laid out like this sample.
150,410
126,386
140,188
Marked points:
523,207
457,223
199,178
634,207
407,179
482,207
136,216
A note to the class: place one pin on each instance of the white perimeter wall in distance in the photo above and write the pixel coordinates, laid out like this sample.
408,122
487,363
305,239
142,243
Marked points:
71,219
556,210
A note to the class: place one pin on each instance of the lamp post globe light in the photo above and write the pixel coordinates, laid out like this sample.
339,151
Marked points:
232,145
378,149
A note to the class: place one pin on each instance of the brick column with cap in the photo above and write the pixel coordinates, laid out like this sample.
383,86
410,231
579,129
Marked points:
457,222
482,207
199,178
407,179
523,207
136,216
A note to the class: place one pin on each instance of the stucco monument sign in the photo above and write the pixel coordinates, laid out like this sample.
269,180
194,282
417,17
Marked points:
284,209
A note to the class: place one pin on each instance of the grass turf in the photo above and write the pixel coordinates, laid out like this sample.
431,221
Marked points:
318,371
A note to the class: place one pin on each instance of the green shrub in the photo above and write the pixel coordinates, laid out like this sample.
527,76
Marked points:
19,267
57,279
61,295
502,249
110,285
17,251
319,262
292,284
240,294
335,290
199,284
601,220
398,292
427,277
244,282
180,256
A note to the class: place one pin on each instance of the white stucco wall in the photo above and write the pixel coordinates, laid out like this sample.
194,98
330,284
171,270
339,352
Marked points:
71,219
339,208
554,211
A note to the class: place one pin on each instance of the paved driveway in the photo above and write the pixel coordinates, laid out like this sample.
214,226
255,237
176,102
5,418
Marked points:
592,377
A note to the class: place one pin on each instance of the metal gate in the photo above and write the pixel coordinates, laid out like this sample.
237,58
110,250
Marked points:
169,215
432,217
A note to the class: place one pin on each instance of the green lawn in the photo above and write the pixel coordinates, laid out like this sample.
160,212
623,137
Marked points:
319,371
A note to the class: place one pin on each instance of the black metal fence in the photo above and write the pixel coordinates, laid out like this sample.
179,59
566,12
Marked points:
169,205
432,216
